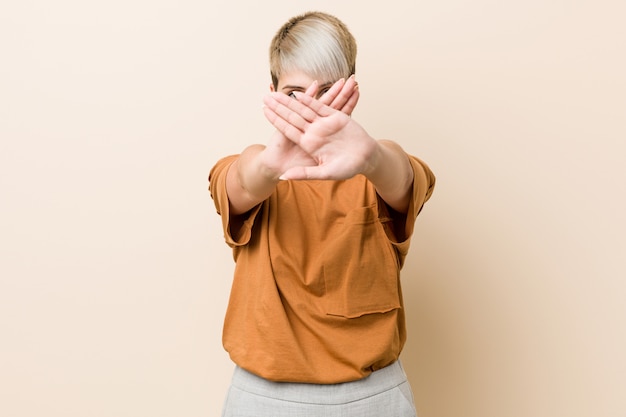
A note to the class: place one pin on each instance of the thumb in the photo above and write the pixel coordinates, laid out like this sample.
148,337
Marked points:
304,173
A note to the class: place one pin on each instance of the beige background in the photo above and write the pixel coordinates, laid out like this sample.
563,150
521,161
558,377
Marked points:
114,276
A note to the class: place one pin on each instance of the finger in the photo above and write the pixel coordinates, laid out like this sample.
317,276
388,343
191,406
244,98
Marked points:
330,95
295,173
305,173
352,101
345,94
291,110
312,90
280,111
288,130
315,107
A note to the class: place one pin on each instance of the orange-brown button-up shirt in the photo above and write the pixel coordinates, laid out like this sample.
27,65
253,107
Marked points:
316,293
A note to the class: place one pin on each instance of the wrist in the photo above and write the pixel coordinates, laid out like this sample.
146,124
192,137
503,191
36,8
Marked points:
373,161
266,168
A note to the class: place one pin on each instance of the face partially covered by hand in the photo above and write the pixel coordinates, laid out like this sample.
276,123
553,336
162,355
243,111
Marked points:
316,137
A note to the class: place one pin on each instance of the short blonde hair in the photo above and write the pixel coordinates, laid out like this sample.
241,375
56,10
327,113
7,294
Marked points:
318,44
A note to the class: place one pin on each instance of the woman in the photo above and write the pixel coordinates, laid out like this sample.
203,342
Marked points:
320,221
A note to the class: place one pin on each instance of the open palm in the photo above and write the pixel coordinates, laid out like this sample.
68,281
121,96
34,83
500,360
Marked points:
338,147
284,154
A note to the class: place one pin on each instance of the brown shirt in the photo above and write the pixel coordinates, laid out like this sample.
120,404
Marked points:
316,293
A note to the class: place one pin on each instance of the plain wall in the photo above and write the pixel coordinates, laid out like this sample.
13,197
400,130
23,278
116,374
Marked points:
114,276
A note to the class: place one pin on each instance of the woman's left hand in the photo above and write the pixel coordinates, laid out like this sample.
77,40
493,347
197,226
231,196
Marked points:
340,147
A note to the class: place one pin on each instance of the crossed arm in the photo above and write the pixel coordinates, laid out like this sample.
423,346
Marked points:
317,139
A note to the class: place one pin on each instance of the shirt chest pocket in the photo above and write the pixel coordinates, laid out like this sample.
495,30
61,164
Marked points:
360,268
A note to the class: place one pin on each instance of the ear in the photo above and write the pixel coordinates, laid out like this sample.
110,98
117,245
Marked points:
271,87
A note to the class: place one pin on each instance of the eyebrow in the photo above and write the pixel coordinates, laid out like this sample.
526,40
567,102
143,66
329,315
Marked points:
298,87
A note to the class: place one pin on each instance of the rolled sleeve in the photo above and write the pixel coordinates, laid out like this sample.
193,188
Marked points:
423,186
217,190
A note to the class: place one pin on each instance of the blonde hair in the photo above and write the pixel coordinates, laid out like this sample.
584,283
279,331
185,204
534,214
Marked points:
318,44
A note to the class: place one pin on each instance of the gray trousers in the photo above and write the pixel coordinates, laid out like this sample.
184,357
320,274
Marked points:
384,393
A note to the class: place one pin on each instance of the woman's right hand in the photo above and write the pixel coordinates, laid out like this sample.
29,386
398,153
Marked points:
282,154
253,176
